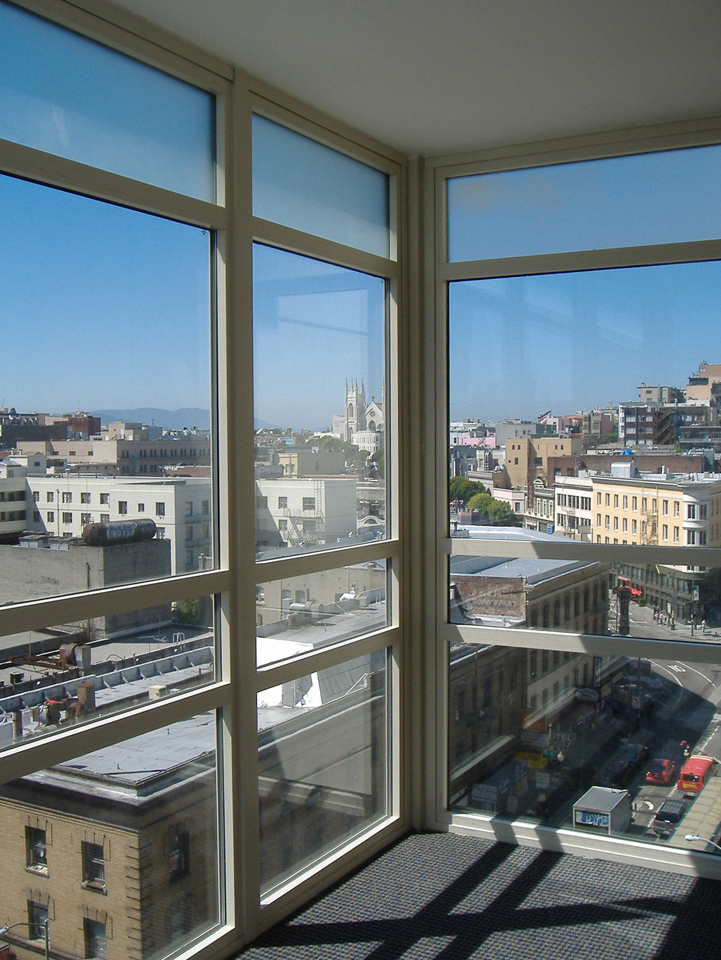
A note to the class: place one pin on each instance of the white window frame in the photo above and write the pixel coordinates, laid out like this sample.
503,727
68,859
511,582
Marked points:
233,695
439,545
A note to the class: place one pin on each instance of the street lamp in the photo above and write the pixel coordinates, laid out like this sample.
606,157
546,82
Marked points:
23,923
692,836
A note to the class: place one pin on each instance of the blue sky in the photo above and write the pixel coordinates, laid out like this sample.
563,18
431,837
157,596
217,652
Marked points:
100,307
567,342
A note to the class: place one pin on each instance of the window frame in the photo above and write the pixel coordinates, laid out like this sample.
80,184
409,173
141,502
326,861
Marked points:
232,696
439,544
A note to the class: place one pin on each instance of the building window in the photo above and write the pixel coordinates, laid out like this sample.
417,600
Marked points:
309,503
37,918
96,942
615,501
634,503
676,509
283,525
664,507
189,509
160,533
159,509
179,856
105,518
141,508
85,518
51,516
634,526
67,497
608,499
85,497
36,854
205,507
691,511
676,535
36,495
664,531
67,518
104,498
50,496
93,857
625,502
282,503
122,507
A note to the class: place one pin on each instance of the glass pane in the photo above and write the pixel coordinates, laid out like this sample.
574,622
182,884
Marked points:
323,754
302,184
320,410
84,841
609,745
651,198
534,439
300,614
106,461
67,95
79,672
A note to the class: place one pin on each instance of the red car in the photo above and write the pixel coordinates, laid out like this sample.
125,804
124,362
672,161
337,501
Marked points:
661,771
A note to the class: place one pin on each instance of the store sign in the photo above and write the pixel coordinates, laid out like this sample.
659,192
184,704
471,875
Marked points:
585,693
483,793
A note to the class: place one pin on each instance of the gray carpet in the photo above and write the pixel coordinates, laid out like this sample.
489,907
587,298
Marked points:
445,897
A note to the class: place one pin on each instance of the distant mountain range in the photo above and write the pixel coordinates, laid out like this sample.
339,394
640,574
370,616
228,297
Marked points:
169,419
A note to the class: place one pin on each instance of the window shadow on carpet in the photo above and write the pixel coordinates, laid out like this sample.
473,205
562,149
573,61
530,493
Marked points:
443,897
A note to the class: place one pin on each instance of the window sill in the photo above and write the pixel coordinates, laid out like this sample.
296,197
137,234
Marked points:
96,885
38,871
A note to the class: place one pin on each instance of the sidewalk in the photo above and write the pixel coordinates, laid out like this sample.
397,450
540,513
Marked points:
644,626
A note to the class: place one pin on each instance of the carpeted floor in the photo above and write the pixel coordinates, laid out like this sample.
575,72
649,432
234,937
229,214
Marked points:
445,897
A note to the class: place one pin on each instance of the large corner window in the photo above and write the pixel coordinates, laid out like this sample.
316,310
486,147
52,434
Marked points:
583,503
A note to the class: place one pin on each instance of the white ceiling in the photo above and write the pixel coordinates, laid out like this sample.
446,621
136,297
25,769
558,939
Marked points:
437,76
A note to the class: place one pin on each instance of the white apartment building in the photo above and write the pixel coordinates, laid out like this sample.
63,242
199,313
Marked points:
63,505
305,510
574,507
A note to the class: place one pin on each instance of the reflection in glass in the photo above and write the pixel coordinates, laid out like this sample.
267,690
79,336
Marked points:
67,95
323,763
564,345
79,672
85,842
301,614
587,205
305,185
103,293
319,403
594,743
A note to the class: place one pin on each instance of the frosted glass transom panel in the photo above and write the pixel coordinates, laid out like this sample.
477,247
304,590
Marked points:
668,197
303,184
67,95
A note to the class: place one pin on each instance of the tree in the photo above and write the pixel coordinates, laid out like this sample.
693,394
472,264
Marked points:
492,511
462,489
379,460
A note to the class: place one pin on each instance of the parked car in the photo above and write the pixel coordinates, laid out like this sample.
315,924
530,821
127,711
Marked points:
670,814
634,753
661,772
617,774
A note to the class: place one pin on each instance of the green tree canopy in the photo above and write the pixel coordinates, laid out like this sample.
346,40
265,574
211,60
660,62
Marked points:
462,489
492,511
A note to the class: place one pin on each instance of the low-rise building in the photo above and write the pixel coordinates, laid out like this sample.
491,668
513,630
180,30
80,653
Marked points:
305,510
574,507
